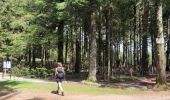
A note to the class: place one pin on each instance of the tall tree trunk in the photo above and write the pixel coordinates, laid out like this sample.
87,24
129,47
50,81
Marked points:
134,32
168,47
130,56
47,55
145,55
152,33
100,42
140,36
78,52
92,41
159,45
109,45
60,40
72,48
108,19
29,54
33,56
66,46
42,55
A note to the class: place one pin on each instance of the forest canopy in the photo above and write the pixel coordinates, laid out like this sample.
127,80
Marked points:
98,36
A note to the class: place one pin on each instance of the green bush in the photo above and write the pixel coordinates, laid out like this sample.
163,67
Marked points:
41,72
16,71
90,79
33,73
24,71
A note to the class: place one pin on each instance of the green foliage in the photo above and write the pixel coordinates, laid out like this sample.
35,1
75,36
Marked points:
90,79
20,71
40,72
40,4
16,71
69,87
161,87
60,6
24,71
18,24
33,73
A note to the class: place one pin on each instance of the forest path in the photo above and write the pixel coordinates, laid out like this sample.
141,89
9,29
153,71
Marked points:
44,95
29,95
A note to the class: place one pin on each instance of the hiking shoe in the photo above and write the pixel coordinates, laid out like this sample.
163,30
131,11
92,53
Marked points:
62,93
57,92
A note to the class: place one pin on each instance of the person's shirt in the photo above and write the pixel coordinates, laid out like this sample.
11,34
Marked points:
59,70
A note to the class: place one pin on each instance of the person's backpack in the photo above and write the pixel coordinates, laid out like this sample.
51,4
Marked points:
60,73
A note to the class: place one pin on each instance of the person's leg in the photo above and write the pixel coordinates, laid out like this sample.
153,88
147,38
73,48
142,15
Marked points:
61,88
57,92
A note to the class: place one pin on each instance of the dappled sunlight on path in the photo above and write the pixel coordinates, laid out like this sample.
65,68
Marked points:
27,95
51,95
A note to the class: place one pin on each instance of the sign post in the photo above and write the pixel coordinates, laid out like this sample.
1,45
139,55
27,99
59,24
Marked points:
6,65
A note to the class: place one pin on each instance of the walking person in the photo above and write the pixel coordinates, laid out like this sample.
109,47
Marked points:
59,76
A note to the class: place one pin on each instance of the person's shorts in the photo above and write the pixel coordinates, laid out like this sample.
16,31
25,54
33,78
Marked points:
59,80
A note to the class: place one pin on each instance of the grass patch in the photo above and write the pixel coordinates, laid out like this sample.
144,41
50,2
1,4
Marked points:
7,85
123,78
97,90
161,87
68,87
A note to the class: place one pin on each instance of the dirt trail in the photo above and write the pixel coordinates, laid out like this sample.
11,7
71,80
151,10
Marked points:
32,95
28,95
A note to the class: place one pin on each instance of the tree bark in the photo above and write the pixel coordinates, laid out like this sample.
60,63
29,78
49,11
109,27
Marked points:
42,55
33,56
92,41
145,55
99,42
66,47
168,47
60,39
134,32
108,39
29,54
78,52
159,45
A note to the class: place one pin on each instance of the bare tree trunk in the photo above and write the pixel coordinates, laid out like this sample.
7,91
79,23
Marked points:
130,51
72,49
29,54
152,33
60,40
134,32
109,46
42,55
66,47
92,41
145,55
108,38
159,45
78,52
33,56
168,47
140,37
100,42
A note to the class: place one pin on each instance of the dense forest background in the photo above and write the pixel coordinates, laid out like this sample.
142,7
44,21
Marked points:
102,37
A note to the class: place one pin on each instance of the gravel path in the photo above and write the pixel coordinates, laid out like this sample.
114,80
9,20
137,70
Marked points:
27,95
30,95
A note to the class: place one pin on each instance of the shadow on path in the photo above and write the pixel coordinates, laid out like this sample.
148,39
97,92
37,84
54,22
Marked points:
142,84
36,98
54,92
6,90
